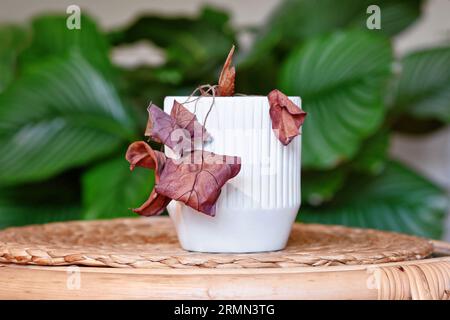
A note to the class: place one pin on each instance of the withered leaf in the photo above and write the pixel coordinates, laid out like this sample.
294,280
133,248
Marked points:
140,154
187,120
227,77
197,179
287,118
149,127
154,205
163,128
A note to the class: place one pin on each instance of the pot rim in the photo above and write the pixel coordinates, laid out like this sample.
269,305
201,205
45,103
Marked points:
228,97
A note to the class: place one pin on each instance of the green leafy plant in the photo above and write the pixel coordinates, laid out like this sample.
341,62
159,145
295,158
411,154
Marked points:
67,113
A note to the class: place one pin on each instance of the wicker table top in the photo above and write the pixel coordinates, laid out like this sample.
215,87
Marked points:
320,262
152,243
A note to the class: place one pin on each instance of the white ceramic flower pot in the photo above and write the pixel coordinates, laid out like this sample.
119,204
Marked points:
256,209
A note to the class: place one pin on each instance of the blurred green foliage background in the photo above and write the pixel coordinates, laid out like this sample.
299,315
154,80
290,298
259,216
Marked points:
67,113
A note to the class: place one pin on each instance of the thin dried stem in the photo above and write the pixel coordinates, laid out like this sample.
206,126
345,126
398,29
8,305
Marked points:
199,88
207,114
203,93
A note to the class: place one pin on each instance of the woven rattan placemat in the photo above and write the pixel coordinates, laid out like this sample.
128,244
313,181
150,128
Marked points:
152,243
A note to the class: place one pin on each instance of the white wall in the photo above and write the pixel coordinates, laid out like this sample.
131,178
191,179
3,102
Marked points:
430,155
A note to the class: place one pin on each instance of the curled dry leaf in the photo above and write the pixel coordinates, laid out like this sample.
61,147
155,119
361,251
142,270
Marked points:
227,77
287,117
140,154
149,127
154,205
187,120
197,179
163,128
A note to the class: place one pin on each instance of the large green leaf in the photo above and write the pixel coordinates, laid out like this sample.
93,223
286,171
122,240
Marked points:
340,78
12,214
424,86
372,155
319,187
111,189
194,47
56,199
259,77
141,86
61,114
12,40
295,21
397,200
52,38
396,15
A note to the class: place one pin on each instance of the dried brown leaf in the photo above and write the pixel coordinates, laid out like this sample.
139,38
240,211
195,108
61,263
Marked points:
163,128
287,117
187,120
140,154
197,179
154,205
227,77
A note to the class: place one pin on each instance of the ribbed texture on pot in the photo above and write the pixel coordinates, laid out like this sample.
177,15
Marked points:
241,126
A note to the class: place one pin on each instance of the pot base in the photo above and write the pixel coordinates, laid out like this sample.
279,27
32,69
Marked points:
237,231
